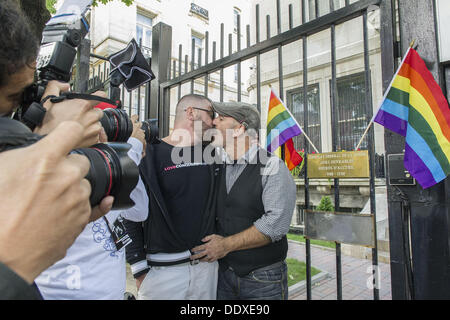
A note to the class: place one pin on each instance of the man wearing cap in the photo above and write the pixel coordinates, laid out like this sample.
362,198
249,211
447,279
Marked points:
255,202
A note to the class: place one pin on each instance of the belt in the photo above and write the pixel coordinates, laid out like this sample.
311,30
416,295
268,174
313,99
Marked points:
172,263
269,267
170,259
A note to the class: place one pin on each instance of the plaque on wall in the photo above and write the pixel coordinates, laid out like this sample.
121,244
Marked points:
339,165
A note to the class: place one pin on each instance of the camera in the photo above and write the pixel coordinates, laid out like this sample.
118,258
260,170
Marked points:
60,39
117,125
150,127
111,172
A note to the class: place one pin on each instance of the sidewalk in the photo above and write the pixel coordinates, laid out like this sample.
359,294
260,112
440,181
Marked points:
356,273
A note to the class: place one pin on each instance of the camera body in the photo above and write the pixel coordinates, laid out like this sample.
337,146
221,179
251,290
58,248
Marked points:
56,56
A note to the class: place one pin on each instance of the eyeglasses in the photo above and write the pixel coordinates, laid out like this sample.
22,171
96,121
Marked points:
211,113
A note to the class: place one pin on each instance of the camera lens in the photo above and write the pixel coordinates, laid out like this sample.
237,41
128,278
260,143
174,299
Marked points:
117,125
112,173
150,128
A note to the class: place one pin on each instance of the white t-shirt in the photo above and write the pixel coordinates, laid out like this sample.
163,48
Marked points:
93,268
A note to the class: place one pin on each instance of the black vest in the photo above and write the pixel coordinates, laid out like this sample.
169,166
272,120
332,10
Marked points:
236,212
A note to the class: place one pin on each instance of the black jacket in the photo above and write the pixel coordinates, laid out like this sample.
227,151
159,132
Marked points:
13,287
237,210
157,234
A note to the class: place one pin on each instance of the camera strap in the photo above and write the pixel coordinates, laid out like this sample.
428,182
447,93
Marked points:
85,96
35,113
118,232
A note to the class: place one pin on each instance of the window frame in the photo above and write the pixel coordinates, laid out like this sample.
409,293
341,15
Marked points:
356,135
148,15
299,90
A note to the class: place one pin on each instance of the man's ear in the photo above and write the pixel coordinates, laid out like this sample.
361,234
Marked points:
190,113
238,131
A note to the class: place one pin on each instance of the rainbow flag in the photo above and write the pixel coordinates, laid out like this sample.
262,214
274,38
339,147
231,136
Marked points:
281,128
415,108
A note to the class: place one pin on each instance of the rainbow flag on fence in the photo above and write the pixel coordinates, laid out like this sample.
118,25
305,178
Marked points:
281,128
415,108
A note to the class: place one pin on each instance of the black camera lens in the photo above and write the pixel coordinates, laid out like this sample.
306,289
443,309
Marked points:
112,173
150,128
117,125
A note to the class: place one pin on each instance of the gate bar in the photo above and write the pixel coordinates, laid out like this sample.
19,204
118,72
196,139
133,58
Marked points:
180,57
222,45
206,61
306,145
290,17
192,63
258,63
278,18
334,114
239,89
371,145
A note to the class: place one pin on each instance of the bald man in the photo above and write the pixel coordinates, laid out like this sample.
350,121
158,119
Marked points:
180,187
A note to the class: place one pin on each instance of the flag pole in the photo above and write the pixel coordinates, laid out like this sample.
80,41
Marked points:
306,136
385,95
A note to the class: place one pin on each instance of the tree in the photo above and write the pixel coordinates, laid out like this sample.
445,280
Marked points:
325,204
39,11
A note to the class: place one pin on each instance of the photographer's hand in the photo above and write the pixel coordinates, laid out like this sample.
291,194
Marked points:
44,201
138,133
82,111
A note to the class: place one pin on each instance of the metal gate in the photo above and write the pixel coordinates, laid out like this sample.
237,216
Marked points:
177,76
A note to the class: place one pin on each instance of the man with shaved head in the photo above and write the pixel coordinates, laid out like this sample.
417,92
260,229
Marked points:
180,187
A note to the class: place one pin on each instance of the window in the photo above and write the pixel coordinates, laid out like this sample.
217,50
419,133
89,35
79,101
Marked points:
300,215
295,103
144,30
351,111
198,44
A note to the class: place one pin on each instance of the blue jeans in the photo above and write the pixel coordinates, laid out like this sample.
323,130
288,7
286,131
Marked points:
268,283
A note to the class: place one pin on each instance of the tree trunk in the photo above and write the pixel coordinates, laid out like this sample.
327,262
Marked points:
37,13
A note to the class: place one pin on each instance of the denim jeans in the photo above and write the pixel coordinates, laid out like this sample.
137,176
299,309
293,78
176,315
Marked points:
268,283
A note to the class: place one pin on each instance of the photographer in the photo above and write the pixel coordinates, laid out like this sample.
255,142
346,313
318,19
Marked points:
94,266
44,201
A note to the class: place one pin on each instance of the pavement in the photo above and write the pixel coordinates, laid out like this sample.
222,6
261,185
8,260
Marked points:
356,275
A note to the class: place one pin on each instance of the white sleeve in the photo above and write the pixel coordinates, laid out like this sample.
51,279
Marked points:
140,210
135,153
139,195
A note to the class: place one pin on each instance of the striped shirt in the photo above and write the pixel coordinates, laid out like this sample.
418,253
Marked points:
278,196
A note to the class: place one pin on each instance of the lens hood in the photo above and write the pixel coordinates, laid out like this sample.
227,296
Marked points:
112,173
117,125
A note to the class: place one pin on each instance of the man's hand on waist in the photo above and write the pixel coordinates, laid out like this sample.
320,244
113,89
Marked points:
215,247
